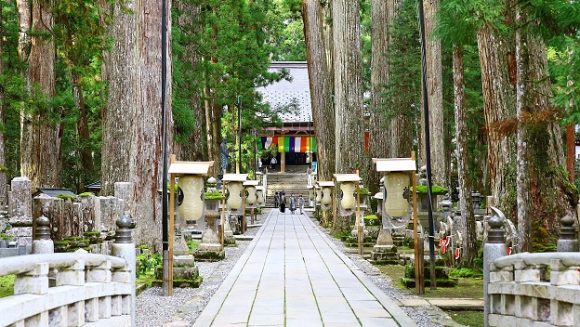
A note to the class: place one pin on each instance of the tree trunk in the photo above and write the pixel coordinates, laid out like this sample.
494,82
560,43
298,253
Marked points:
382,20
348,92
320,87
3,177
435,89
132,136
550,194
499,104
522,156
469,243
40,137
82,128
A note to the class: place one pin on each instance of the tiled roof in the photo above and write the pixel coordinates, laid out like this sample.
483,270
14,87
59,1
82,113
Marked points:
294,94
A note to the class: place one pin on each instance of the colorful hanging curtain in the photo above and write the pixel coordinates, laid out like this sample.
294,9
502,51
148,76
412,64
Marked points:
313,145
294,144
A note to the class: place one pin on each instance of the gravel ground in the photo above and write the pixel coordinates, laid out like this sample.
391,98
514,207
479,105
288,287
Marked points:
186,304
154,309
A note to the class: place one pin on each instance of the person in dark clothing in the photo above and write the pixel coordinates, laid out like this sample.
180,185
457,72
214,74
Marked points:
277,199
282,202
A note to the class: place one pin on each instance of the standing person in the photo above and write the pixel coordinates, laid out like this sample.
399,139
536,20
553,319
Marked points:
277,199
292,203
282,202
273,163
301,203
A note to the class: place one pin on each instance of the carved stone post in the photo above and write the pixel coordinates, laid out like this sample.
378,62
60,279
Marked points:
494,248
124,247
568,241
42,242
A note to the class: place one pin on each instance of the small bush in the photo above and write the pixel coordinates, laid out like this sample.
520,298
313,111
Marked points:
215,195
192,245
464,272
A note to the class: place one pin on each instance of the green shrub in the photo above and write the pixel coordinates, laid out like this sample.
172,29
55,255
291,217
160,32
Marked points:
464,272
192,245
435,189
66,197
372,220
147,263
86,194
215,195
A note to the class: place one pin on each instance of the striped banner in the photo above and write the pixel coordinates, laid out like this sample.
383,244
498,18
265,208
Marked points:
281,140
294,144
260,143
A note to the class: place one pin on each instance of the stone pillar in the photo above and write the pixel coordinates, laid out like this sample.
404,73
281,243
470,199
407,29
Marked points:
21,200
42,243
124,191
124,247
283,162
568,241
494,248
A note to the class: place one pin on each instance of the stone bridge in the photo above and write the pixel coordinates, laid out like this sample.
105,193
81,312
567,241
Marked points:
72,289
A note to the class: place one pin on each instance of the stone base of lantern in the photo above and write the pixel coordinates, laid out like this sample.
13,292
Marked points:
384,252
210,248
352,241
229,239
185,272
384,255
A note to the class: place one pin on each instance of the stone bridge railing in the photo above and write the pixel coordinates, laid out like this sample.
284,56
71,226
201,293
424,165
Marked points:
531,289
73,289
540,289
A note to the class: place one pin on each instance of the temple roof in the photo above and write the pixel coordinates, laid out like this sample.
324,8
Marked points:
290,98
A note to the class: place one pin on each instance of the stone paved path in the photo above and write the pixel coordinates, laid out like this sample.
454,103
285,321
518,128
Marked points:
292,275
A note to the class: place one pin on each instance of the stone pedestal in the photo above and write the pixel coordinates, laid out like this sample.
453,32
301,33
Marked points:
229,239
210,248
185,273
384,252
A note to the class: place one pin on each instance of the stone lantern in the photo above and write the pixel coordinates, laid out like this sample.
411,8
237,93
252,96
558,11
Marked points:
191,181
191,176
396,207
251,201
379,197
261,200
311,195
326,198
234,185
317,195
348,204
347,186
211,248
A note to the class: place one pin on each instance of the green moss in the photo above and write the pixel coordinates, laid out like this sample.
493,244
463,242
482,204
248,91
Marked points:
66,197
192,245
464,272
86,194
216,195
435,189
364,191
372,220
7,285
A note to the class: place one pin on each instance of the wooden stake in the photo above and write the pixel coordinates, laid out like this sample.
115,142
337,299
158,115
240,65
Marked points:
334,204
244,224
171,228
416,241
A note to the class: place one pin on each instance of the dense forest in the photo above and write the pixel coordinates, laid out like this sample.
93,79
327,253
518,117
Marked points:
80,92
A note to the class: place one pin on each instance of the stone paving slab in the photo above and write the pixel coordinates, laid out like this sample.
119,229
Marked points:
293,275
